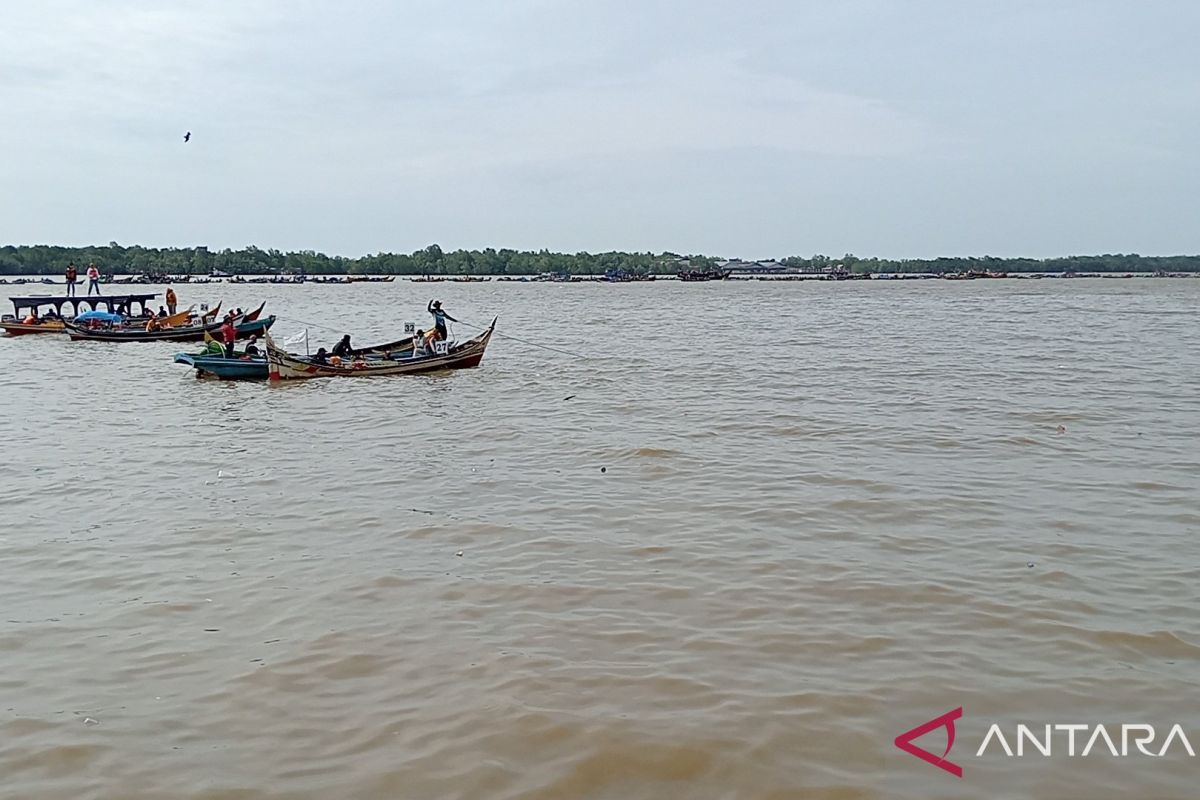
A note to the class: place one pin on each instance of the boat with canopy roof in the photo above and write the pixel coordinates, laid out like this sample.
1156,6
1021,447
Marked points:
44,313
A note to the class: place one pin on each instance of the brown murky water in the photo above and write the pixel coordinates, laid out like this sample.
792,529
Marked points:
813,530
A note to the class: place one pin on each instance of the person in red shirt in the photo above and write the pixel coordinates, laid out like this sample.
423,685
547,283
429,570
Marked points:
229,335
93,279
72,276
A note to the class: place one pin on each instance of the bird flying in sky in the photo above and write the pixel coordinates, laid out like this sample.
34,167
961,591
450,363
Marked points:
187,136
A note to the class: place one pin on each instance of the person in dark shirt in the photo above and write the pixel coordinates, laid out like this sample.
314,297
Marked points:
343,348
319,357
252,347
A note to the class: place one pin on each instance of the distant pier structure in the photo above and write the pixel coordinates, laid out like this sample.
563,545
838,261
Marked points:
766,270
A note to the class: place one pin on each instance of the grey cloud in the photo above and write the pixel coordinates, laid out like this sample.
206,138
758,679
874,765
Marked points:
755,129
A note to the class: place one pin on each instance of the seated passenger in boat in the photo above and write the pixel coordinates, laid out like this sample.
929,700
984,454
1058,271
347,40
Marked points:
252,347
343,348
320,357
418,344
153,324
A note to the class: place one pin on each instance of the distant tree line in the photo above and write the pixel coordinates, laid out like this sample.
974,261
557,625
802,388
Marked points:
432,260
1118,262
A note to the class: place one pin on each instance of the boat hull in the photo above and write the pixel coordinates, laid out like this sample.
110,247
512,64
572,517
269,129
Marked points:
30,328
227,369
242,368
285,366
699,276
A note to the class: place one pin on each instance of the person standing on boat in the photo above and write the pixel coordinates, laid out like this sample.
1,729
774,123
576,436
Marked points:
229,335
342,349
72,276
172,301
93,279
439,319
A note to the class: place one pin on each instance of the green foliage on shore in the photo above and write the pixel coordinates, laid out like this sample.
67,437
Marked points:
136,260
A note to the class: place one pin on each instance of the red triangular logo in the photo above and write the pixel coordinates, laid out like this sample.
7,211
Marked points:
905,741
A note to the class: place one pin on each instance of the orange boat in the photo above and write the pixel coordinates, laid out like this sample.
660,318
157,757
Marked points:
14,327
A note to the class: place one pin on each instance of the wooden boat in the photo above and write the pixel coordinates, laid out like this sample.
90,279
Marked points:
23,307
15,327
19,327
704,275
253,315
212,365
176,320
622,276
192,333
248,368
463,355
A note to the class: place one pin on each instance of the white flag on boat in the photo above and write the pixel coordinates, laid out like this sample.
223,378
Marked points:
299,338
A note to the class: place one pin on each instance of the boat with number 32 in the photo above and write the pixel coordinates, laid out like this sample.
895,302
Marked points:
458,355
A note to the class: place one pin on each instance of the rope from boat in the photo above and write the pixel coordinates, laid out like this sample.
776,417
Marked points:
525,341
309,324
464,322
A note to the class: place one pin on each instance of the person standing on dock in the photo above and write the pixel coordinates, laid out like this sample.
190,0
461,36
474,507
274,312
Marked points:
439,319
93,279
229,334
172,301
72,276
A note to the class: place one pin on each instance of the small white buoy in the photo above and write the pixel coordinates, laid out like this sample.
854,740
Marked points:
90,721
459,553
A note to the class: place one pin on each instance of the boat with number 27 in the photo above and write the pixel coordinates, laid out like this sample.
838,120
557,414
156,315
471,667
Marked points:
282,365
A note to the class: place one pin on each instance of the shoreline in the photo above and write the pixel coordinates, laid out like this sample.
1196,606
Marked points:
345,279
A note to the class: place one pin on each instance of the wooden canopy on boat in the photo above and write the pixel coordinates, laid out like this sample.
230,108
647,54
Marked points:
113,303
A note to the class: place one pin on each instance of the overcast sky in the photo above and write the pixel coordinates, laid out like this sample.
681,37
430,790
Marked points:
752,129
